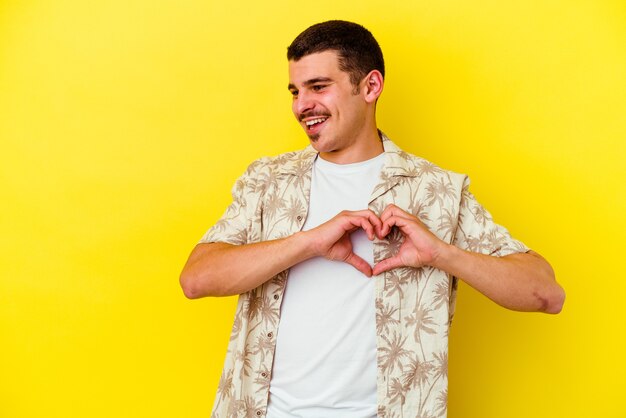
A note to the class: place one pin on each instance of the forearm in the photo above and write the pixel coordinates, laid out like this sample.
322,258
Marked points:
522,282
218,269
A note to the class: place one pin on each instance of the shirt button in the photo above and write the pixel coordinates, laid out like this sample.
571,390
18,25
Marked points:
270,335
264,374
299,218
276,297
258,413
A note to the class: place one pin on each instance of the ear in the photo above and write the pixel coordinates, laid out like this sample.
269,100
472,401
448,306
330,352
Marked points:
372,86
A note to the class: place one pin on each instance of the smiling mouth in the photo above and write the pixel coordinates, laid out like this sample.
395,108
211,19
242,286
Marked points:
315,124
310,123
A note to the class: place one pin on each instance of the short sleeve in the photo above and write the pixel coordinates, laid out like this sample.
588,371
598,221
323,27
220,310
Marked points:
234,225
477,232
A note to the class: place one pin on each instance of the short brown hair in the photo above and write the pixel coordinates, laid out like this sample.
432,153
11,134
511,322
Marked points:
359,53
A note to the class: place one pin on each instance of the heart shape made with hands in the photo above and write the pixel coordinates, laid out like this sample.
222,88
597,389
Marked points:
419,247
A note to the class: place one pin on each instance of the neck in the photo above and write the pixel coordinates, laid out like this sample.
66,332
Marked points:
364,147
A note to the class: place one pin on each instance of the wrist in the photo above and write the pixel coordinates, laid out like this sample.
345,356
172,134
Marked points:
444,255
303,244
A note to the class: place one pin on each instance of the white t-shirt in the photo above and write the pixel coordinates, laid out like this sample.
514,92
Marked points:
325,360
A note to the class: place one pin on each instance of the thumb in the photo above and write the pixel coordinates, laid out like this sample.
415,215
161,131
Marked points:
359,264
387,264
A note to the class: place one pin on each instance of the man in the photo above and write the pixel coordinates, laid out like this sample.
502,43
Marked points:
346,254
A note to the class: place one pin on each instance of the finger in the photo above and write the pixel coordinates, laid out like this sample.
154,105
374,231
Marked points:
374,226
359,264
359,221
373,220
364,212
349,222
392,221
393,210
363,223
389,211
387,264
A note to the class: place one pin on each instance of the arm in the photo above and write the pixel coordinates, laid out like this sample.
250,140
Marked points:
523,281
219,269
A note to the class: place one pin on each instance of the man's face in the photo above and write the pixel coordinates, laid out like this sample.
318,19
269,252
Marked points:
325,103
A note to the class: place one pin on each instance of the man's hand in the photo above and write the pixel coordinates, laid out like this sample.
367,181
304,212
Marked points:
332,239
520,281
420,247
220,269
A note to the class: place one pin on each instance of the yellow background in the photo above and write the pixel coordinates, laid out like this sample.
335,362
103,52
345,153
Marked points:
123,125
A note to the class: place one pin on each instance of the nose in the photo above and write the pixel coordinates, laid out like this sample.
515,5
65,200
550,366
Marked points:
303,103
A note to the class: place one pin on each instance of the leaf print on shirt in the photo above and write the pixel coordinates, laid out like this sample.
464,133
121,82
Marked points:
417,373
236,326
262,346
267,312
384,413
293,212
442,402
301,172
273,205
241,236
225,386
441,294
385,183
438,191
425,168
392,243
396,391
447,224
395,281
385,317
377,206
481,215
263,380
495,240
232,409
247,407
223,224
267,179
419,210
244,359
420,321
392,353
441,367
476,244
254,305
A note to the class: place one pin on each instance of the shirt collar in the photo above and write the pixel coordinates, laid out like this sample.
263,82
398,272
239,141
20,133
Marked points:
397,162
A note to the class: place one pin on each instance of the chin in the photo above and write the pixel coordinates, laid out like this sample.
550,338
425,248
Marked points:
313,138
315,141
321,143
320,146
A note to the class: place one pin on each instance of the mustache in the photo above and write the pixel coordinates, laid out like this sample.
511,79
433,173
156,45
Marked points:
305,115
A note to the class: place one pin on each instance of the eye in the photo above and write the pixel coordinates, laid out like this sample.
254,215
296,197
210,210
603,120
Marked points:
294,93
318,87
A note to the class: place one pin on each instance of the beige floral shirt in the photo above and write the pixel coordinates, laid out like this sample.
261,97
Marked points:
414,307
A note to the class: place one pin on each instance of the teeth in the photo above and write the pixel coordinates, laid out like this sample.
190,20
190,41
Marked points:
314,121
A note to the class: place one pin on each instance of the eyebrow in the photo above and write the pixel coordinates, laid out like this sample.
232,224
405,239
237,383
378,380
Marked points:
307,83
